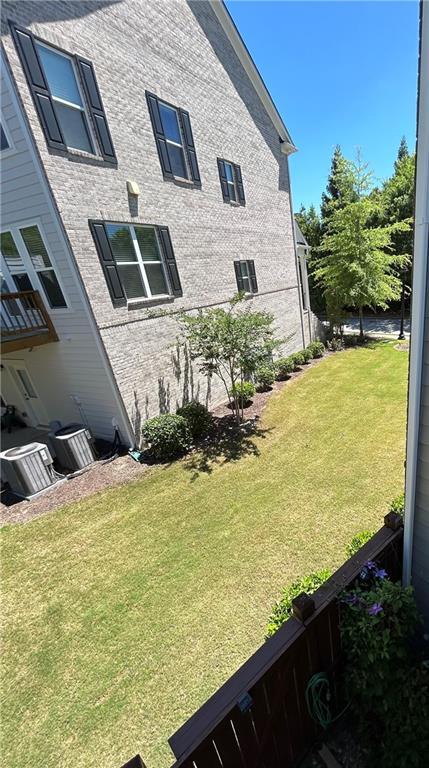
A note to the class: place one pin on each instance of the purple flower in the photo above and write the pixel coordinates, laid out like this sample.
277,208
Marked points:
380,573
370,565
351,599
375,609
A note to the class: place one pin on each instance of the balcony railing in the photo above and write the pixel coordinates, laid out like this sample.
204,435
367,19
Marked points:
25,321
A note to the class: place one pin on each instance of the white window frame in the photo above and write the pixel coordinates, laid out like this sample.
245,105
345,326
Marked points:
66,103
175,143
29,268
141,263
11,149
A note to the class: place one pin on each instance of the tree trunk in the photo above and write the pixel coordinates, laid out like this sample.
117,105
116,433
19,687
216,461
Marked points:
361,323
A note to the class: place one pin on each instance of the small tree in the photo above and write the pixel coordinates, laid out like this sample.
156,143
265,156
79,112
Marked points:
230,343
360,270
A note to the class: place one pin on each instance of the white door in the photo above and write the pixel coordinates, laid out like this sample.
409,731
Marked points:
33,405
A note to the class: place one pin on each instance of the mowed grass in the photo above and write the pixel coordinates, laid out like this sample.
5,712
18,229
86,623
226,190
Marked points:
123,613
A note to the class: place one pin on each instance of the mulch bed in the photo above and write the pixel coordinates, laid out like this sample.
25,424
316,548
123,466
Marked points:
123,469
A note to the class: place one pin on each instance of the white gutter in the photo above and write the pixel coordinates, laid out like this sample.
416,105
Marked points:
419,295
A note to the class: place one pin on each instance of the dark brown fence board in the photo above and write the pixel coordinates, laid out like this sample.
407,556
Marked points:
277,731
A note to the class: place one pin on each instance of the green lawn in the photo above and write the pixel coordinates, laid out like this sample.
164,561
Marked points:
124,612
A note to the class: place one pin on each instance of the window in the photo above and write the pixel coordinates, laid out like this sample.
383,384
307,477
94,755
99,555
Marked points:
174,140
246,276
66,96
303,282
138,261
231,182
67,99
28,265
4,143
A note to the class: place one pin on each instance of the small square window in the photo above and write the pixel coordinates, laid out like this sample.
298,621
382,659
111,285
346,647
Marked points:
140,267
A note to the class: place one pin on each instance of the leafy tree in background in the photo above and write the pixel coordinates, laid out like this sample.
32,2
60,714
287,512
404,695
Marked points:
310,224
361,268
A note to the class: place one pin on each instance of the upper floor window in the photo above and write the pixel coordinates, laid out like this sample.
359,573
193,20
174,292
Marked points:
174,140
6,143
246,276
27,264
231,182
138,261
66,97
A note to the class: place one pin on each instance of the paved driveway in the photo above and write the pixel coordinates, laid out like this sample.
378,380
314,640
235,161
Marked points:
378,326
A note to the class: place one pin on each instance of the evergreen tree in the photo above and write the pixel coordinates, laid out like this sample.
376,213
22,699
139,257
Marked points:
339,189
402,151
360,271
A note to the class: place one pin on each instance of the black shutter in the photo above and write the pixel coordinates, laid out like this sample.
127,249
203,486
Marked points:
252,276
190,146
223,180
170,260
95,104
239,185
107,261
238,276
39,88
159,134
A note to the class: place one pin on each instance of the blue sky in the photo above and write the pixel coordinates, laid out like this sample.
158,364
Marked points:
339,72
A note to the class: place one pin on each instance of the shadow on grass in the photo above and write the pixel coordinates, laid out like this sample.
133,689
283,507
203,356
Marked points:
226,442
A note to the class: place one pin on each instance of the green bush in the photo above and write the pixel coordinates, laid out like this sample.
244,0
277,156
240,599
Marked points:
298,359
198,418
398,505
243,391
264,377
284,366
167,436
307,354
282,610
336,344
388,691
358,541
317,348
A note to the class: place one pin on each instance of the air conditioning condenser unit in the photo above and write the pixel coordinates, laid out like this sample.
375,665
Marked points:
28,469
72,446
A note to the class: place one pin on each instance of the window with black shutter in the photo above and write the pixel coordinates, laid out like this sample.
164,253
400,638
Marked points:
246,276
174,140
231,182
70,108
138,261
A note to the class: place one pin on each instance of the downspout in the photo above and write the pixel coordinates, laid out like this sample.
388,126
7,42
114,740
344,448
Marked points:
419,291
301,311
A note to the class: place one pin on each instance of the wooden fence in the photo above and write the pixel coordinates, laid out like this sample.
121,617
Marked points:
259,717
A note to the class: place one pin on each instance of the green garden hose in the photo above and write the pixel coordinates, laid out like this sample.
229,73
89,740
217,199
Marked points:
318,696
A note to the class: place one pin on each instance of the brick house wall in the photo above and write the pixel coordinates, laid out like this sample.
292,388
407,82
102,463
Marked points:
178,51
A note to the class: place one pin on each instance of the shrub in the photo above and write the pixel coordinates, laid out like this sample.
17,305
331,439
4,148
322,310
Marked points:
243,391
358,541
264,377
282,610
389,693
167,436
298,359
306,353
284,366
398,505
198,418
336,344
317,348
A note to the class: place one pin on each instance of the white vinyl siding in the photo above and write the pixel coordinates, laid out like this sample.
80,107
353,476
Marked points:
73,365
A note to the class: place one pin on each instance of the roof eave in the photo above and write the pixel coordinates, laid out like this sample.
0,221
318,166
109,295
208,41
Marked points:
237,42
